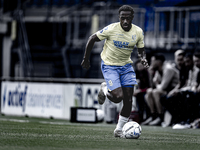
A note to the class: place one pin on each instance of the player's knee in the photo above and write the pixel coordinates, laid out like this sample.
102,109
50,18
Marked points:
118,98
117,95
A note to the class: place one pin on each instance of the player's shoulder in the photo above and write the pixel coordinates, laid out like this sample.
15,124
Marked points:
113,25
108,28
137,28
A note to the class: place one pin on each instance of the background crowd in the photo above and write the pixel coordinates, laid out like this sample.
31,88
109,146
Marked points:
172,86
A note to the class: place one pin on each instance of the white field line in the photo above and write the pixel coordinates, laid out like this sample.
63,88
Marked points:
57,123
14,120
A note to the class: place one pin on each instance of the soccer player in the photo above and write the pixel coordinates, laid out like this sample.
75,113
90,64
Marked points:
120,39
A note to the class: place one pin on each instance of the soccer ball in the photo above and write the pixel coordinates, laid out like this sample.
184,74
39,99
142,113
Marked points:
131,130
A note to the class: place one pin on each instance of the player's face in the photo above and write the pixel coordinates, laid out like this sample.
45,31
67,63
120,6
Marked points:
125,18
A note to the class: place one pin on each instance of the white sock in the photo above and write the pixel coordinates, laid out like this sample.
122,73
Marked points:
122,120
105,90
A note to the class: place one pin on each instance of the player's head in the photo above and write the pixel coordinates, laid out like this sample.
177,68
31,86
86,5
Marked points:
126,15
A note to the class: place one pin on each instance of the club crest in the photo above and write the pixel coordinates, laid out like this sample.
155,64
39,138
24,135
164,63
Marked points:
134,38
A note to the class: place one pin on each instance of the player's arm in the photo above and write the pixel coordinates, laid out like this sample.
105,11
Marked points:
90,43
142,57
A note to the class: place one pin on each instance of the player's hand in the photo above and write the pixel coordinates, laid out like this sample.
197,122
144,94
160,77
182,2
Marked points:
144,62
85,63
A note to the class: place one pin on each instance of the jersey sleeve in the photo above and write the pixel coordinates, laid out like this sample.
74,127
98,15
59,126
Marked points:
140,43
104,33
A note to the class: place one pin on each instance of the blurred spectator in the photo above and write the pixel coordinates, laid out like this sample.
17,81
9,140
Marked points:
196,59
180,102
165,79
192,98
180,65
191,103
183,76
143,84
183,70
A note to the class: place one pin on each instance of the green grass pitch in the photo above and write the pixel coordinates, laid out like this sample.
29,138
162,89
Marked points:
18,133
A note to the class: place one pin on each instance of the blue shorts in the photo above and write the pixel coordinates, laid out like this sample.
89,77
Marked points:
118,76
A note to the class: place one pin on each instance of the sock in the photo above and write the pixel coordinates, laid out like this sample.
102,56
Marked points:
122,120
105,90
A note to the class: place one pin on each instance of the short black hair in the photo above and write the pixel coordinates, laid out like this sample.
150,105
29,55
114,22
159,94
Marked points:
160,57
126,8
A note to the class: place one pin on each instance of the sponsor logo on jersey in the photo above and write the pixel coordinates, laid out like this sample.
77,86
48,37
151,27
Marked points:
120,44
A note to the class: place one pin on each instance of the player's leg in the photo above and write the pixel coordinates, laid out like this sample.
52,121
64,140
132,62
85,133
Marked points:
126,110
115,95
112,87
127,101
102,93
117,76
128,80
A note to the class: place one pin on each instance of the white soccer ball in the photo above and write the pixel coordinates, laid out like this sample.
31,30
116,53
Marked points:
131,130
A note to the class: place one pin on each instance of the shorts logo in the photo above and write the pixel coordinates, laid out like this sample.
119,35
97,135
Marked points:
110,83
